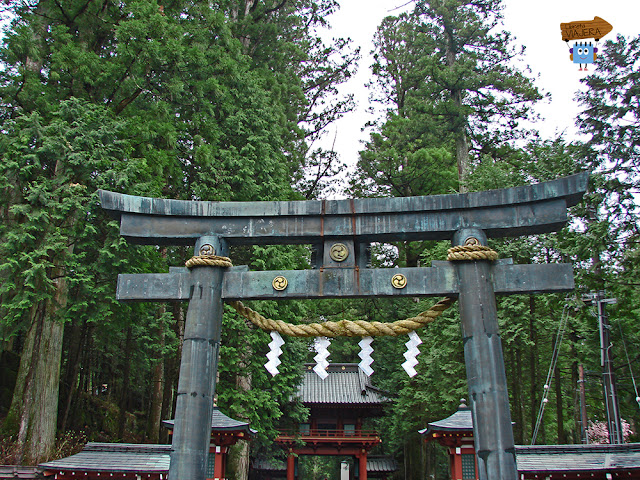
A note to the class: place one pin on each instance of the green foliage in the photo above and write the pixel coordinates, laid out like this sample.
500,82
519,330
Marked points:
445,78
601,239
211,101
49,172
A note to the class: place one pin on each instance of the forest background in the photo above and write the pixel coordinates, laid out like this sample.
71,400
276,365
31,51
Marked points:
225,101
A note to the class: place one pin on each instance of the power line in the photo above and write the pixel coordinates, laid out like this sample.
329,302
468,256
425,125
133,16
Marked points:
624,344
552,367
401,6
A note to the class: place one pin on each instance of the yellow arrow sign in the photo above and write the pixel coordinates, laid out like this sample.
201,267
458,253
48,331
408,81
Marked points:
596,28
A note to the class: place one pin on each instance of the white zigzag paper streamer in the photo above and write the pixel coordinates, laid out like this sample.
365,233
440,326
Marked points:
274,354
321,346
411,354
365,355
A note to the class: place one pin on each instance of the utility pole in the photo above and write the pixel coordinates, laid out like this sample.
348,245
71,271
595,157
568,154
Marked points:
583,406
614,422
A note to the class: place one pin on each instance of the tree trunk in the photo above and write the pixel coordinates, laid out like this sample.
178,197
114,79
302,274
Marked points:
155,410
575,379
155,413
462,155
171,370
516,389
126,378
562,439
34,408
241,459
78,335
460,125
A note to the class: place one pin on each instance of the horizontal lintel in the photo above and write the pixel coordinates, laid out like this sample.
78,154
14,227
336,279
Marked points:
439,280
154,287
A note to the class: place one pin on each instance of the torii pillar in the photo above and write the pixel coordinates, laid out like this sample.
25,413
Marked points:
341,230
225,432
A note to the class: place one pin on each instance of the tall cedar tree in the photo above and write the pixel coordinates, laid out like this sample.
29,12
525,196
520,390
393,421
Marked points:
195,113
610,119
446,74
611,214
451,100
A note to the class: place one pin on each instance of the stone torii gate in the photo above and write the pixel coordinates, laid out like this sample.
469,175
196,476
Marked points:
341,231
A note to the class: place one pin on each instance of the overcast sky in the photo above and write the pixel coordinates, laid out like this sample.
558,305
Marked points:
535,24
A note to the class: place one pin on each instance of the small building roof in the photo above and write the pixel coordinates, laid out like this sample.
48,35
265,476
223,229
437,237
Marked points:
115,457
273,465
552,461
345,385
381,464
13,472
460,421
220,423
577,458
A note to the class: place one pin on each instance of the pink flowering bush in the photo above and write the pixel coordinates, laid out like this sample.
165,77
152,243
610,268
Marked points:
598,432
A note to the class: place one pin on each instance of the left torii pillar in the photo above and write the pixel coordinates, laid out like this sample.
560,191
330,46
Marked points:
197,381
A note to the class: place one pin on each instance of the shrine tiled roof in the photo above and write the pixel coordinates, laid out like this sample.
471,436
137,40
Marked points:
220,423
14,472
115,457
382,464
460,421
345,385
269,465
553,461
577,458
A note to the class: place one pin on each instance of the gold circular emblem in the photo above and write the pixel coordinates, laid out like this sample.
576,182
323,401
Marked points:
472,241
279,283
399,281
339,252
207,249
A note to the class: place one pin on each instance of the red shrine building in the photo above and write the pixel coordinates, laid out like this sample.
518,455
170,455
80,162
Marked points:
338,407
456,433
121,461
225,432
535,462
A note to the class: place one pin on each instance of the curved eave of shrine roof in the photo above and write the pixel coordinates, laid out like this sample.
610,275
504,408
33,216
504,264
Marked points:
569,188
221,423
544,459
115,457
345,385
460,421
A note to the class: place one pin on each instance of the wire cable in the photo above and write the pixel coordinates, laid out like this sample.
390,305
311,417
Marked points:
552,367
633,379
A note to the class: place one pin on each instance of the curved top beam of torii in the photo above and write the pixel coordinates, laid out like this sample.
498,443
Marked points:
526,210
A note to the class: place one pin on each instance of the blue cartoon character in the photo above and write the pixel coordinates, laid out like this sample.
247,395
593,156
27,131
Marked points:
583,53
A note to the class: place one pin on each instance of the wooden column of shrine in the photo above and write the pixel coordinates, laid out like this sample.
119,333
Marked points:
225,432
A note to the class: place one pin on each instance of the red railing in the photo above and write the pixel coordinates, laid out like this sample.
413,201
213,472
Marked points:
324,433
